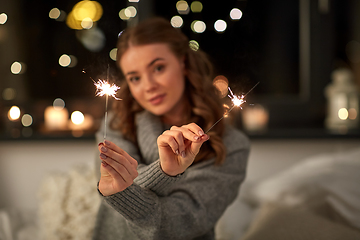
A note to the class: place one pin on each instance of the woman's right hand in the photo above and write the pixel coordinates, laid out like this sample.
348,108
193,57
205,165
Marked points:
118,169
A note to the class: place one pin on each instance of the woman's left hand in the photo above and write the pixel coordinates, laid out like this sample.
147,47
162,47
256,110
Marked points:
179,146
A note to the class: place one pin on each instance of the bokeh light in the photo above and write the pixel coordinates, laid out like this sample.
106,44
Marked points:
176,21
130,12
82,12
194,45
64,60
196,6
235,14
87,23
73,61
113,54
182,7
352,113
77,117
18,68
198,26
26,120
221,83
122,15
3,18
220,25
343,113
58,104
54,13
9,94
14,113
135,1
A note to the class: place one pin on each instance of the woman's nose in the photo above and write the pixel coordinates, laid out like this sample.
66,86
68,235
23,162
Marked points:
150,83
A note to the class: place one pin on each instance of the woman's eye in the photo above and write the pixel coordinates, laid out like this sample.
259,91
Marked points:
134,79
159,68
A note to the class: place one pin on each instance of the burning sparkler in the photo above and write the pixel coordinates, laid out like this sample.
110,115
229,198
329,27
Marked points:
107,89
237,102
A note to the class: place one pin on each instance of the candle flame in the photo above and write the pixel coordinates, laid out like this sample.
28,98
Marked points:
105,88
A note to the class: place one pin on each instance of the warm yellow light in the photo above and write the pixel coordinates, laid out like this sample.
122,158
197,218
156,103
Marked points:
196,6
220,25
194,45
182,7
343,113
72,23
235,14
87,9
14,113
3,18
26,120
77,117
113,54
54,13
222,84
176,21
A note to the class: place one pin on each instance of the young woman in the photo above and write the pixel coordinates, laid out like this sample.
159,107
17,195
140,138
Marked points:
162,177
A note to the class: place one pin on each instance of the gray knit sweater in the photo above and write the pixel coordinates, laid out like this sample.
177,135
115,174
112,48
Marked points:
157,206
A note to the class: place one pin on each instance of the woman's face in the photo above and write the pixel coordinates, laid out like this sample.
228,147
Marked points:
156,78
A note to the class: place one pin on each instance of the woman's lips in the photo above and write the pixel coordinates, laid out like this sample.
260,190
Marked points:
157,99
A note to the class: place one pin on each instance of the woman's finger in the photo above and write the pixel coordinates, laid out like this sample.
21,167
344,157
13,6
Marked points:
127,173
112,150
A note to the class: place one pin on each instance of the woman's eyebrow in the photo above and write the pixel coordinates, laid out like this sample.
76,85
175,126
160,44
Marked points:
149,65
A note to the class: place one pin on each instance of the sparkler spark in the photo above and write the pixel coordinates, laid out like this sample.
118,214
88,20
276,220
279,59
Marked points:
107,89
237,102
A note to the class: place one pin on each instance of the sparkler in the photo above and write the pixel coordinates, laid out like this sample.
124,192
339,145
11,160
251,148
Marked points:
107,89
237,102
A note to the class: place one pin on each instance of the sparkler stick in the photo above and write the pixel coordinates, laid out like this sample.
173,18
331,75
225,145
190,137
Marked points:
107,89
237,101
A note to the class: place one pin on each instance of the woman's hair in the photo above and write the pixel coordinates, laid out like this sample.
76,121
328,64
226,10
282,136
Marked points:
204,105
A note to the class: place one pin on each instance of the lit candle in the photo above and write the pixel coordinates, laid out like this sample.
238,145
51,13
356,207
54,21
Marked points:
55,118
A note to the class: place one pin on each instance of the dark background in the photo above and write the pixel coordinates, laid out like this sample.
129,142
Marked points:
263,46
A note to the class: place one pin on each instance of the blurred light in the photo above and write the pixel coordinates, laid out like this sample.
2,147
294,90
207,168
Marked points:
58,104
8,94
93,39
222,84
133,0
352,113
26,120
62,16
194,45
3,18
182,7
56,118
77,117
113,54
122,15
87,23
73,61
196,6
64,60
14,113
54,13
130,11
235,14
176,21
343,113
198,26
352,50
87,9
220,25
18,68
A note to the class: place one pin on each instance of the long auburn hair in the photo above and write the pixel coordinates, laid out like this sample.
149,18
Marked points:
204,104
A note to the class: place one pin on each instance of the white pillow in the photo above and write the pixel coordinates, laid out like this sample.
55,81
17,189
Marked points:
333,178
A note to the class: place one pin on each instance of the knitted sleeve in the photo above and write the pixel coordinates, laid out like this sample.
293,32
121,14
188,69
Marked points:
192,204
